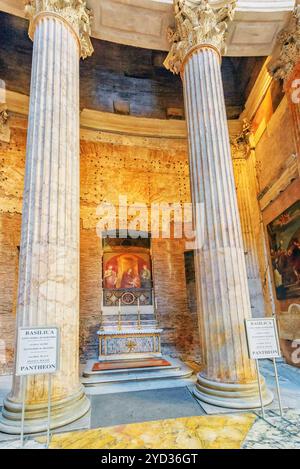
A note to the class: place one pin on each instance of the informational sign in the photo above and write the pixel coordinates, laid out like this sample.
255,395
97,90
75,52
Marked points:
37,351
262,338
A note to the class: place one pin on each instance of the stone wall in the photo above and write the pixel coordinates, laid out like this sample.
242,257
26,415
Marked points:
12,161
178,320
143,169
275,146
277,174
9,255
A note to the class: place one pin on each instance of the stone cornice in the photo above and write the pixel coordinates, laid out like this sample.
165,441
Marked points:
143,23
93,122
279,184
73,12
197,24
258,92
288,53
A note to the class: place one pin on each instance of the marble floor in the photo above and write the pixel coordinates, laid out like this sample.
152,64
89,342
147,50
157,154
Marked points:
137,416
275,433
204,432
142,406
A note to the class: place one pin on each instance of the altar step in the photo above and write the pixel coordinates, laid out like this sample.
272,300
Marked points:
151,323
176,371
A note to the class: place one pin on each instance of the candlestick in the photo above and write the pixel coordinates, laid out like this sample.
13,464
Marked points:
155,310
101,319
119,316
139,316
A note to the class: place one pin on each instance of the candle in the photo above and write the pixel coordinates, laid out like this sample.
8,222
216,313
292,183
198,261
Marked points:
119,316
101,319
155,310
139,317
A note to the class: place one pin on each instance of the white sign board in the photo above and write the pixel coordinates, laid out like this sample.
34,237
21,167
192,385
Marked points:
37,351
262,338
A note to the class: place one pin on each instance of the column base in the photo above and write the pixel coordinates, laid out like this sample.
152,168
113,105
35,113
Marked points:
63,412
231,395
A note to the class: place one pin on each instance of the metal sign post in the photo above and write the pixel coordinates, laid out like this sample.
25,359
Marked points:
49,411
37,353
263,342
259,390
278,387
23,387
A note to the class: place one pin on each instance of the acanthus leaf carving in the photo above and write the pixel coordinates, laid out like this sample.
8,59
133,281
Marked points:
242,144
289,49
4,127
197,23
75,12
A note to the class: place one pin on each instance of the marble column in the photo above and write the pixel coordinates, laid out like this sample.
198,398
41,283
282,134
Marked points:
228,377
48,292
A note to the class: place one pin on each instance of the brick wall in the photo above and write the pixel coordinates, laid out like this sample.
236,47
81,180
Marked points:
145,170
9,241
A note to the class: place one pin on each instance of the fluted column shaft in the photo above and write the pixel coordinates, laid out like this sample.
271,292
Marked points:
220,261
253,237
49,254
228,377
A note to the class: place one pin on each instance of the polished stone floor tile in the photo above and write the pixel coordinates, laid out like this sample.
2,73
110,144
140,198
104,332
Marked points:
203,432
275,433
141,406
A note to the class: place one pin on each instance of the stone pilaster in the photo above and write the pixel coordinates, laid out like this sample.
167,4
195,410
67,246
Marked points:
244,167
48,292
285,66
228,377
292,91
4,117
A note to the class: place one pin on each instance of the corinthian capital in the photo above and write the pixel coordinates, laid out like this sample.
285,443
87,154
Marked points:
287,54
4,127
74,12
197,23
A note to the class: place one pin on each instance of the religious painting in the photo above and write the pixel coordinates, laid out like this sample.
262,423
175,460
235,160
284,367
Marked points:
126,270
284,235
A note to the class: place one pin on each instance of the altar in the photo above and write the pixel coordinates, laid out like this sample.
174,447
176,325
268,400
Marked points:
129,326
129,343
129,334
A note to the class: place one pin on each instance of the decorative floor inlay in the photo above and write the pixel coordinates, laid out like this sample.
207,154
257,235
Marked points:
125,364
204,432
277,434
